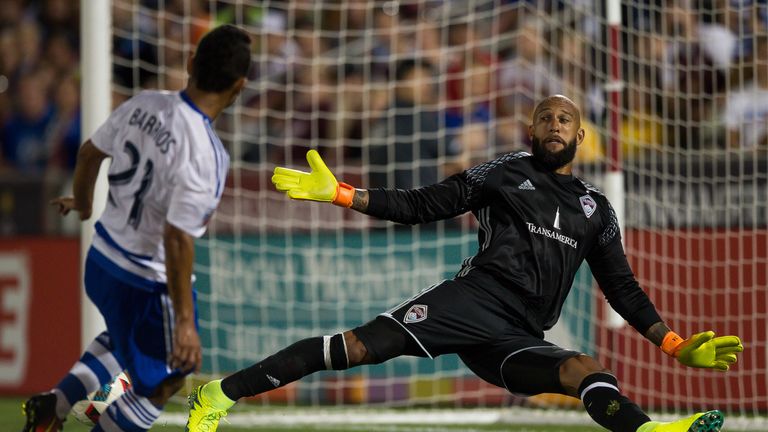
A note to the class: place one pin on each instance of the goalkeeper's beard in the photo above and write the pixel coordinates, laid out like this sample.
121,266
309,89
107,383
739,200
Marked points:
553,160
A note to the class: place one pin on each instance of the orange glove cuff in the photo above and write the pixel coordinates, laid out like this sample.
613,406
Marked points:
344,195
671,343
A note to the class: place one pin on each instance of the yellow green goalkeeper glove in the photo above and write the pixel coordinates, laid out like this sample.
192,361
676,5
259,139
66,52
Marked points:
703,350
318,185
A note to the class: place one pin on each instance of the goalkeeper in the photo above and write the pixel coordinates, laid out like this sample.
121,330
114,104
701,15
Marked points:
538,223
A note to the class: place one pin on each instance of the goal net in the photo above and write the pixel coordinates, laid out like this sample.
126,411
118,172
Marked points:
404,93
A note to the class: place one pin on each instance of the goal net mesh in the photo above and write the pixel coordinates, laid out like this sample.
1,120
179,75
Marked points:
404,93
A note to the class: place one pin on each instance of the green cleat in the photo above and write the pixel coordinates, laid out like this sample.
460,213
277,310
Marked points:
710,421
203,417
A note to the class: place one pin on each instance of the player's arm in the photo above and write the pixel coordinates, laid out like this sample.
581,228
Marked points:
179,258
89,160
611,269
435,202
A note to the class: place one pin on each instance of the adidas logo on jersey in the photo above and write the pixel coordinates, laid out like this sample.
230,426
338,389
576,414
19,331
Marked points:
526,185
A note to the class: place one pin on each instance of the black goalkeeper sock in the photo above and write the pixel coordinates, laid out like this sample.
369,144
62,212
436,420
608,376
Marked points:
296,361
607,406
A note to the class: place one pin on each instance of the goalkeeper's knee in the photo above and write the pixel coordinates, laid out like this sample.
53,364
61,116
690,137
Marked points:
335,352
383,339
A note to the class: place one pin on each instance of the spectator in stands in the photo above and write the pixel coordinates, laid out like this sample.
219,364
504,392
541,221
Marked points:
428,42
472,117
278,51
386,43
406,148
690,79
9,61
64,138
11,13
527,76
311,46
641,127
60,16
26,134
360,104
465,45
746,112
353,18
312,100
471,93
128,22
197,20
719,42
30,43
61,53
574,66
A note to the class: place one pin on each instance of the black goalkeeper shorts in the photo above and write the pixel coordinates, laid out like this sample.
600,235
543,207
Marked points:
464,317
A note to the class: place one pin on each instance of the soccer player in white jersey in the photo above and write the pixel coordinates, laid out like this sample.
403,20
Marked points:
165,180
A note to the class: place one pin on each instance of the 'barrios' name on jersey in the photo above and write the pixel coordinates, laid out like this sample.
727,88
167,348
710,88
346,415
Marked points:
153,127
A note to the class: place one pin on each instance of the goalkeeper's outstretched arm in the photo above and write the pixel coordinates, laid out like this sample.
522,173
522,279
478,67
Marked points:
427,204
611,269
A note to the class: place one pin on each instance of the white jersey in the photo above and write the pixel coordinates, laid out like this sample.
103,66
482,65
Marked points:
168,165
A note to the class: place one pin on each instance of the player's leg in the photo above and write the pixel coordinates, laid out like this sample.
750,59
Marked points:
527,365
407,329
96,367
584,377
377,341
335,352
142,333
424,325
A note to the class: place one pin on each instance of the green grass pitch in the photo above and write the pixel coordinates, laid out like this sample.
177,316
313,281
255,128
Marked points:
11,419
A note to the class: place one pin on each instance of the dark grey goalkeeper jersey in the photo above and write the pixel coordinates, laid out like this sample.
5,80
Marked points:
536,228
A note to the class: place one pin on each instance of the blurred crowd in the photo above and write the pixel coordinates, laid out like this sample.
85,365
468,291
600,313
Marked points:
413,90
39,86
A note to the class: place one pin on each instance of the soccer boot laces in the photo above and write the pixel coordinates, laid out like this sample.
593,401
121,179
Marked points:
40,411
710,421
203,417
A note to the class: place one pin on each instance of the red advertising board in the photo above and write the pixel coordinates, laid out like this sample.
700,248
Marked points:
39,312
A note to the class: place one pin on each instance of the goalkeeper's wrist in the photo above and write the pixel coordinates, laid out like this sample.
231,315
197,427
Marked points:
671,344
344,195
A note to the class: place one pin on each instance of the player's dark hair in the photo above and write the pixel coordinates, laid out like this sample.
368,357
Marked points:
223,56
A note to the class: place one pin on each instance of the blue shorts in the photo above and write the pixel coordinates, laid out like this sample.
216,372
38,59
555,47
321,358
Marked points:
140,324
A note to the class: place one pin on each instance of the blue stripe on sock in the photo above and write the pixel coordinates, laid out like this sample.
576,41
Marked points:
73,389
97,367
104,340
